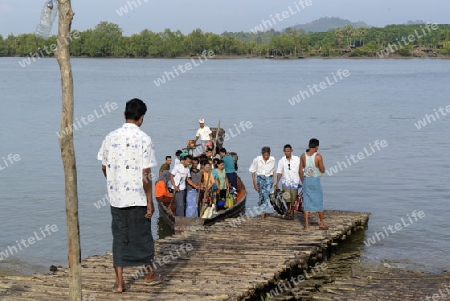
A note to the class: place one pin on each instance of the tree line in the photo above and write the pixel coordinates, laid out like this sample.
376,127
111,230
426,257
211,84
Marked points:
107,40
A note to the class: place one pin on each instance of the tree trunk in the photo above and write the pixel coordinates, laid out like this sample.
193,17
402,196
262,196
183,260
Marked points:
67,150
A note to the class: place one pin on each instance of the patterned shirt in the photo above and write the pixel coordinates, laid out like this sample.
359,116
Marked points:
126,152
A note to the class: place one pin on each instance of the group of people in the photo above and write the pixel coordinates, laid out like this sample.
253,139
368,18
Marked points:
127,155
194,180
294,172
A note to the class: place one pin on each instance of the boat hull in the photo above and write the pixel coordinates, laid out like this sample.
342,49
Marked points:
180,223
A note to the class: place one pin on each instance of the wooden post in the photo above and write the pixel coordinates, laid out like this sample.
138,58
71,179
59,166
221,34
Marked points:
62,55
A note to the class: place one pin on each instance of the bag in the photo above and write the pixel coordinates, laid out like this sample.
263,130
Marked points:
221,204
298,206
230,201
210,212
276,200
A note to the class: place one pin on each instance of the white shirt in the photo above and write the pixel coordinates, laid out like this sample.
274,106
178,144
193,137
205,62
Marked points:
180,173
263,168
126,152
289,170
203,133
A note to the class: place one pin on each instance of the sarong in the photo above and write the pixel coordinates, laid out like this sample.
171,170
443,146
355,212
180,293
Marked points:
191,203
312,194
264,186
180,201
132,237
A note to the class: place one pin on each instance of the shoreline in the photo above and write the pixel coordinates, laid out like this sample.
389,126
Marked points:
281,58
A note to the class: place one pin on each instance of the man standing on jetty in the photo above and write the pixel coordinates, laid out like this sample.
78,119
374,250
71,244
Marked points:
311,168
204,133
127,156
288,167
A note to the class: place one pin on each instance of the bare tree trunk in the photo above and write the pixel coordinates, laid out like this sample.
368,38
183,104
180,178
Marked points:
67,150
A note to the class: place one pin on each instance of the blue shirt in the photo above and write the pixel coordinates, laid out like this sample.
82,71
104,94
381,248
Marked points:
229,164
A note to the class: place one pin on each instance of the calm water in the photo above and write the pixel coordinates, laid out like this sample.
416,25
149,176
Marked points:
379,100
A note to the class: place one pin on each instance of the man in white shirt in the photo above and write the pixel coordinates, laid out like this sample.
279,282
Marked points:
127,156
262,170
204,133
178,177
288,167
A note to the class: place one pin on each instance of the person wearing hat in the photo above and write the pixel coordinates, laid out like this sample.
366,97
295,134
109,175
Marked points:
204,133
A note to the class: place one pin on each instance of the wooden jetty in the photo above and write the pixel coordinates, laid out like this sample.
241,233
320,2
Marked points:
235,259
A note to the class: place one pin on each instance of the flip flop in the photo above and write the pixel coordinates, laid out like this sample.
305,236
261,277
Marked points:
324,227
156,281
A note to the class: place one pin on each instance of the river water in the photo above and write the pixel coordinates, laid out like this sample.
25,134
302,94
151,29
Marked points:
364,112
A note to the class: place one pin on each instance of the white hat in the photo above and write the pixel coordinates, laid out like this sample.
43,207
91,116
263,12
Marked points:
201,120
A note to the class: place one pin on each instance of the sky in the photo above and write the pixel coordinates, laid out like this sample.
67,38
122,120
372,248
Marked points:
22,16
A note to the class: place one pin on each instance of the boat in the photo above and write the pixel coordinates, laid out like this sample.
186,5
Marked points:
181,223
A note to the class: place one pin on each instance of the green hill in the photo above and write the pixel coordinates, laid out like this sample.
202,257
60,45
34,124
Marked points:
327,23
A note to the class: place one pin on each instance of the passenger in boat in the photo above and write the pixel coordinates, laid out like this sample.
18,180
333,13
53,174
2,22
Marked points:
179,176
215,162
192,192
204,133
127,156
210,181
203,158
162,193
223,183
166,165
287,172
177,157
262,170
311,169
229,167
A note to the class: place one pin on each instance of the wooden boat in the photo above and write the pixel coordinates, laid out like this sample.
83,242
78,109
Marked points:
180,223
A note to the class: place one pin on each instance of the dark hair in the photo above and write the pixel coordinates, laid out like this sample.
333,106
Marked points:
265,149
188,157
195,159
313,143
209,149
135,109
178,152
223,150
168,157
287,146
220,162
216,160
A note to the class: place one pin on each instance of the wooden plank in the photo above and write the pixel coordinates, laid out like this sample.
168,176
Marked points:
226,263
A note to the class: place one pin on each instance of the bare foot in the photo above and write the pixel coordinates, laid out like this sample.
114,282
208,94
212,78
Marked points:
119,288
263,215
305,228
324,227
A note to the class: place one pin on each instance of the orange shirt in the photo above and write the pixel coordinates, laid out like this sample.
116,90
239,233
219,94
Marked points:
161,189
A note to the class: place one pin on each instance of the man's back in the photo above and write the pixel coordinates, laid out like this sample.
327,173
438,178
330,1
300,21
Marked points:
125,152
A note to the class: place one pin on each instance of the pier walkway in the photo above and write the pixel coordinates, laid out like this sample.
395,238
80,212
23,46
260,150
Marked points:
231,260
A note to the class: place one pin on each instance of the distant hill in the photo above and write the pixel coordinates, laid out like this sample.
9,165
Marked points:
327,23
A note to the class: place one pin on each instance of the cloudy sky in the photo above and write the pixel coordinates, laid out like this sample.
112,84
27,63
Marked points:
22,16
